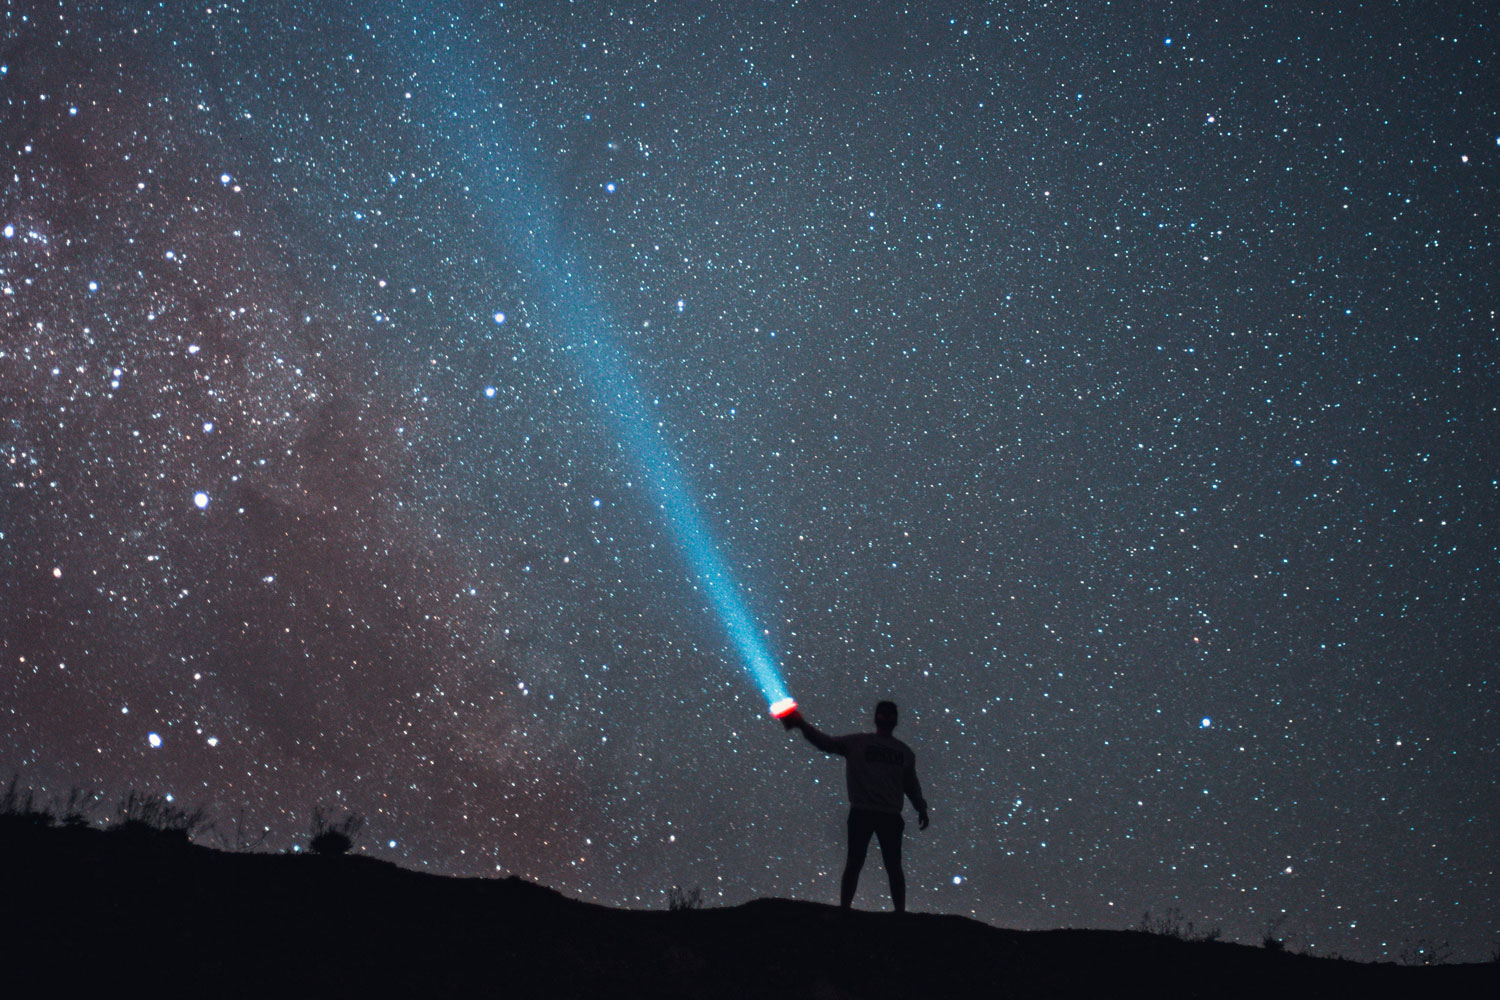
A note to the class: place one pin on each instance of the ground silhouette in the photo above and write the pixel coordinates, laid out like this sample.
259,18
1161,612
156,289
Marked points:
86,909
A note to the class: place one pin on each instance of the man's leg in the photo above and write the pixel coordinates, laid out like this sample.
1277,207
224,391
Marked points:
889,832
860,829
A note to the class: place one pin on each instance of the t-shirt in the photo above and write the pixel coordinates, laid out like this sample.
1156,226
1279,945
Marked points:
879,771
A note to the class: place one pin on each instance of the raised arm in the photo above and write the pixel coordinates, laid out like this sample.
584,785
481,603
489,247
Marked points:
824,742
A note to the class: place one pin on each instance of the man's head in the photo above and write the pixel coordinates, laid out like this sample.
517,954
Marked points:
885,717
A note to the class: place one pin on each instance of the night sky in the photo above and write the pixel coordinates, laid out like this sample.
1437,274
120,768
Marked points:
1117,390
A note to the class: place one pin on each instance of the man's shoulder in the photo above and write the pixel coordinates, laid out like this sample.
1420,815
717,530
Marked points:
910,753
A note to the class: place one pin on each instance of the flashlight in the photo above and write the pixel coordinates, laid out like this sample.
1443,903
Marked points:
786,711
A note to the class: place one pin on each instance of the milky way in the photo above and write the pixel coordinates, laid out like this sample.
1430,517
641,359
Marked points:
1109,388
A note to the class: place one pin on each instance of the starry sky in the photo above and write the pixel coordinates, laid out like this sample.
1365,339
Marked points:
1106,385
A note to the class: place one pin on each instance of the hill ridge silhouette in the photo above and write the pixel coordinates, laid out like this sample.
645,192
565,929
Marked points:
239,923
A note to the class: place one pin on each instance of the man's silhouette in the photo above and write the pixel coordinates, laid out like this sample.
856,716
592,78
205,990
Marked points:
880,770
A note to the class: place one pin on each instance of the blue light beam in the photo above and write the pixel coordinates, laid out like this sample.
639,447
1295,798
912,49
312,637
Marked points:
523,216
618,396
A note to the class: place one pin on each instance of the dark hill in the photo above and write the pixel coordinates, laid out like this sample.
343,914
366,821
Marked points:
86,910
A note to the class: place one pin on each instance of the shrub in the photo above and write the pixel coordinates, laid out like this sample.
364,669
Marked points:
1271,938
21,806
78,808
156,814
678,900
18,806
1425,951
329,838
1170,924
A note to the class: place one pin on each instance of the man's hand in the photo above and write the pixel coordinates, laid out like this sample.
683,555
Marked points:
793,720
922,820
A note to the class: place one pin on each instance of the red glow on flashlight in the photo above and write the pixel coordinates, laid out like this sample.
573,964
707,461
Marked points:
783,708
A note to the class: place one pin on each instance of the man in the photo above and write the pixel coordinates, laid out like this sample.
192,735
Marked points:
880,770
